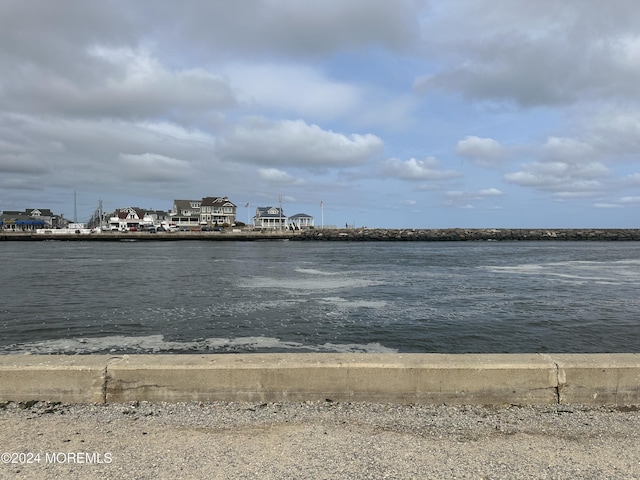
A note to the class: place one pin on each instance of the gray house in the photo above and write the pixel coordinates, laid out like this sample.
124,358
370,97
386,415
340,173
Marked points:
270,218
185,213
217,211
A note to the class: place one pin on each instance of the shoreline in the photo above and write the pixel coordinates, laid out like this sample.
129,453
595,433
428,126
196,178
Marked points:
352,234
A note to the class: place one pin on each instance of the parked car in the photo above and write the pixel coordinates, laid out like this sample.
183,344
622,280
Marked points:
218,229
206,229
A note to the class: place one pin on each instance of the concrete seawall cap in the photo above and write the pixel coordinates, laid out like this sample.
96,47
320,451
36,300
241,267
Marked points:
63,378
387,378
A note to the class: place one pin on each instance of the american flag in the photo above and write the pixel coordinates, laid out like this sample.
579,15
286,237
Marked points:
321,204
247,205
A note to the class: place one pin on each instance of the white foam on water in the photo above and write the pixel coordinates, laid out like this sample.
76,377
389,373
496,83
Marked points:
345,304
156,344
309,284
255,342
526,269
354,348
313,271
579,271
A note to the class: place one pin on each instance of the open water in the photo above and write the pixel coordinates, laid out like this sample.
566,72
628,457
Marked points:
277,296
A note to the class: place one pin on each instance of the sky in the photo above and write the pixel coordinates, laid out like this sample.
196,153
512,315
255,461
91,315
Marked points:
377,113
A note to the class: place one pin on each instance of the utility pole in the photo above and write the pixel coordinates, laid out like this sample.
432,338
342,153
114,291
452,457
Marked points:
280,201
100,210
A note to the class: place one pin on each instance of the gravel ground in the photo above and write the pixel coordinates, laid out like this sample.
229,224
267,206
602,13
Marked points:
318,440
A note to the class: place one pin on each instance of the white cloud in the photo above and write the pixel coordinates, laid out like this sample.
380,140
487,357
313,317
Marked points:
131,84
490,192
464,199
632,179
152,167
534,53
24,163
310,99
485,152
292,88
106,154
257,28
295,143
274,175
630,199
607,205
564,179
417,170
570,149
613,131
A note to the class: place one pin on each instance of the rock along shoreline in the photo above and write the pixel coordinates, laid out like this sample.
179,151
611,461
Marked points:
465,234
355,234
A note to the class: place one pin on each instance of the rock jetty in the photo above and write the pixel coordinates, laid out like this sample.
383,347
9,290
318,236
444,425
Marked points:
464,234
351,234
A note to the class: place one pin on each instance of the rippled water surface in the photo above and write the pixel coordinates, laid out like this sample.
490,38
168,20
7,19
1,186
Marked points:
273,296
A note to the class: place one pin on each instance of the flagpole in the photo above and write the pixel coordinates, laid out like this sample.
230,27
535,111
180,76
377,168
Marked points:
322,210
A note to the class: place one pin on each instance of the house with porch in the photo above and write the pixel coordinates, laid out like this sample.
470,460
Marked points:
300,221
128,218
270,218
185,213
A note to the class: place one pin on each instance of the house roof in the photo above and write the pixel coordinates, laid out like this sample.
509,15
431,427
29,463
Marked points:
123,213
185,204
269,212
301,215
44,212
217,202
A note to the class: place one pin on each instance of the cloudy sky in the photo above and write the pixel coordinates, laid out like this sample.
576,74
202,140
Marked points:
392,113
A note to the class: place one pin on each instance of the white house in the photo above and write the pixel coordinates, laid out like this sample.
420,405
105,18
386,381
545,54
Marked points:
300,221
128,218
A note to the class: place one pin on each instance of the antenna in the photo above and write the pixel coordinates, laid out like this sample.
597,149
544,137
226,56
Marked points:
75,208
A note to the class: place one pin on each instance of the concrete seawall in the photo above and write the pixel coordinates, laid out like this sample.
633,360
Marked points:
524,379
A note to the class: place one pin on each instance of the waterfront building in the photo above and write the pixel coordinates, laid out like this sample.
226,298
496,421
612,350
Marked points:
217,211
270,218
300,221
29,219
